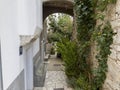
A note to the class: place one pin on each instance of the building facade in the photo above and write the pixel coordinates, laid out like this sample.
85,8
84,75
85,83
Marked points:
20,28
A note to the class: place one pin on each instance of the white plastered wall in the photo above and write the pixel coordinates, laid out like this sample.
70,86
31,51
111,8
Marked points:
11,64
29,16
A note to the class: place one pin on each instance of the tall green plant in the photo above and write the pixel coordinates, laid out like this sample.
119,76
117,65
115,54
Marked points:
85,27
68,50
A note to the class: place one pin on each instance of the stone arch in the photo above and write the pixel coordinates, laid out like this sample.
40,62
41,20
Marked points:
57,6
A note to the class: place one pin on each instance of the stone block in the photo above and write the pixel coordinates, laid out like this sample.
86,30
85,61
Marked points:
111,12
118,48
111,85
115,23
114,68
113,54
113,76
118,56
117,10
115,39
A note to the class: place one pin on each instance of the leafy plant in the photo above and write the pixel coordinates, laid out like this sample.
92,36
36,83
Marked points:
104,40
68,50
87,13
82,83
52,51
54,37
60,27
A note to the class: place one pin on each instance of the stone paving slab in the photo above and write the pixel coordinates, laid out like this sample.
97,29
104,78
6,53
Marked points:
44,88
55,79
55,76
59,89
38,88
55,64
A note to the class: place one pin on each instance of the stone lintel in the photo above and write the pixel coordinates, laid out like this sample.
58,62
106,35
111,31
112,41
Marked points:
27,39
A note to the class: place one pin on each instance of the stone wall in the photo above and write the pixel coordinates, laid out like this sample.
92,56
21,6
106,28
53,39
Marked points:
113,76
112,81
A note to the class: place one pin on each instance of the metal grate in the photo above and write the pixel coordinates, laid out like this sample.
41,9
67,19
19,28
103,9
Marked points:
57,64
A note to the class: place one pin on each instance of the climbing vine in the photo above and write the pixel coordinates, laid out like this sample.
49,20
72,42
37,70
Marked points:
87,13
104,40
85,27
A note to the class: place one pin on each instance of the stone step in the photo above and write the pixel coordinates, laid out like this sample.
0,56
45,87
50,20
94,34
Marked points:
46,57
43,88
39,88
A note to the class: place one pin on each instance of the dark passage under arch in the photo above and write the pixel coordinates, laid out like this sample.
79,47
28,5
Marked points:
57,6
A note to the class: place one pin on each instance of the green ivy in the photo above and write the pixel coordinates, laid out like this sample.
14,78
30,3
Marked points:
104,39
86,18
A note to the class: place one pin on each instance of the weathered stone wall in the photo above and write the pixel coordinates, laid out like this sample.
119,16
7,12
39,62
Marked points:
112,81
113,76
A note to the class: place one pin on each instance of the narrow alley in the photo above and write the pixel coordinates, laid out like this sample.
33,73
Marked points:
55,75
84,33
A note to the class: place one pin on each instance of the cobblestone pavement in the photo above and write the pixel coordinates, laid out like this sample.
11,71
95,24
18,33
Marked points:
55,79
55,64
55,76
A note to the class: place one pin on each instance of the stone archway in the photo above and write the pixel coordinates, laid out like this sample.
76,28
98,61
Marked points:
57,6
